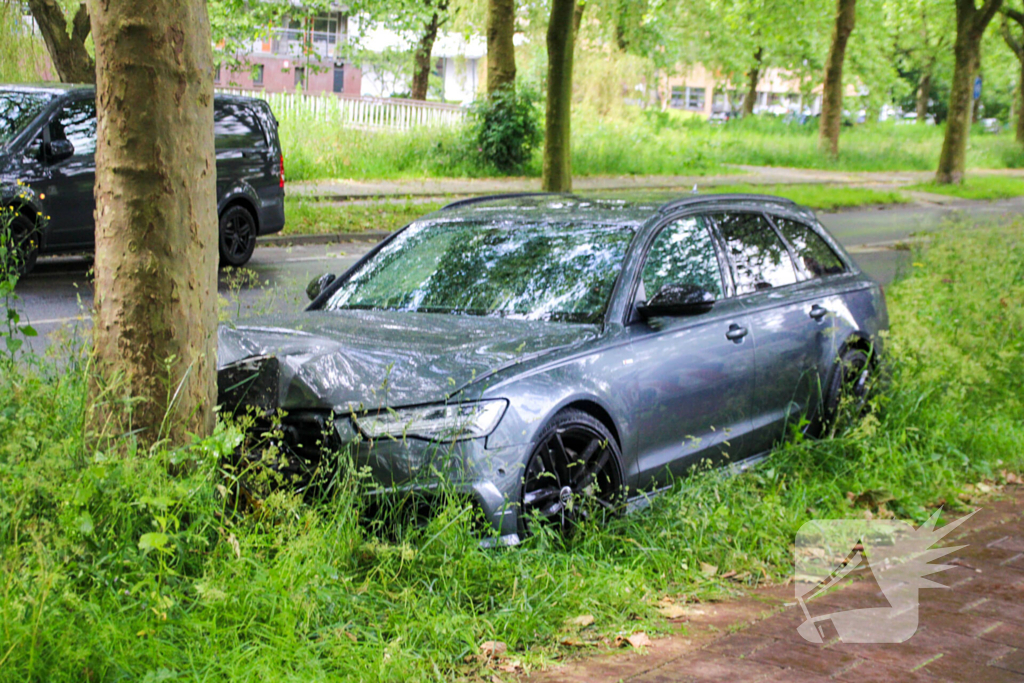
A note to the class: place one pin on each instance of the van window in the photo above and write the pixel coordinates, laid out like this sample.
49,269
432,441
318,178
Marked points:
235,127
760,260
77,124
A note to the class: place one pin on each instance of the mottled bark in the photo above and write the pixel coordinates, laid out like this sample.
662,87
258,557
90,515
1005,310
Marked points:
924,88
557,170
1017,48
970,26
156,220
832,93
753,78
501,51
423,64
68,53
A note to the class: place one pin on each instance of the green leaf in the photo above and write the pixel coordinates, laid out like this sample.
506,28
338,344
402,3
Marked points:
84,523
13,344
29,331
153,541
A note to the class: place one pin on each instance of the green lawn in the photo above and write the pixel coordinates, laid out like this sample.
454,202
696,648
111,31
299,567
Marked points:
310,217
820,197
977,187
112,568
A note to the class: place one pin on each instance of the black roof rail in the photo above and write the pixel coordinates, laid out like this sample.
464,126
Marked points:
712,198
493,197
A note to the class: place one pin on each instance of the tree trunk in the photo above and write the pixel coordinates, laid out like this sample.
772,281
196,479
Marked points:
501,51
70,58
423,65
557,172
754,77
924,88
832,93
1020,104
155,327
1018,50
970,26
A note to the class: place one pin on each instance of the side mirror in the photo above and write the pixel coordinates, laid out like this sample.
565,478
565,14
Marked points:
59,150
677,300
317,285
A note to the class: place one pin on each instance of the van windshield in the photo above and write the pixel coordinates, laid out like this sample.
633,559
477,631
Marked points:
17,110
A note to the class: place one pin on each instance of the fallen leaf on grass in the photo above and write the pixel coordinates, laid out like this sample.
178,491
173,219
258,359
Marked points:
1012,478
582,621
672,611
493,649
638,640
708,569
729,574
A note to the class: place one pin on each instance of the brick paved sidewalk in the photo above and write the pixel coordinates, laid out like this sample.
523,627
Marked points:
973,632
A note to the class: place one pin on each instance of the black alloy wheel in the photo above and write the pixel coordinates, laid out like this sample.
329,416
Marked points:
848,390
573,475
24,243
237,236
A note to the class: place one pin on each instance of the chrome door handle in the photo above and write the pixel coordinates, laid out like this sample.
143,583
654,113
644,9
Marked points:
818,312
736,333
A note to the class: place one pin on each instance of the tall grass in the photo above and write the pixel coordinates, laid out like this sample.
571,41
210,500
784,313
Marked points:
635,144
113,569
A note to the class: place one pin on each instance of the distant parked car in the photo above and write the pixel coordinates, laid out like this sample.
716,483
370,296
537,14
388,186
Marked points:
47,172
991,126
551,357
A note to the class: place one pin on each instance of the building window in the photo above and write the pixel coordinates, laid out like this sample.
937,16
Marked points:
300,77
678,97
257,74
695,98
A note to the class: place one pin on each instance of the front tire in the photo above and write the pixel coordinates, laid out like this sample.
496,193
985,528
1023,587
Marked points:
574,475
24,243
847,394
237,236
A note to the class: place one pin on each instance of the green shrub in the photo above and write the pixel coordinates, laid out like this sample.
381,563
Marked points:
506,127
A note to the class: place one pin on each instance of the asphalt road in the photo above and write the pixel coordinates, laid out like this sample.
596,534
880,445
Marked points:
58,294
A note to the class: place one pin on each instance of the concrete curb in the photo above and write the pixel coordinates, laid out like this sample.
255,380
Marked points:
290,240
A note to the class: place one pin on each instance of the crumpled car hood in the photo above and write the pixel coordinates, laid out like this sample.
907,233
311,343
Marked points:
364,360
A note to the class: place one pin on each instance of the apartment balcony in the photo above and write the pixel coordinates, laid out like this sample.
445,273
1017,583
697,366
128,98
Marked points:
297,42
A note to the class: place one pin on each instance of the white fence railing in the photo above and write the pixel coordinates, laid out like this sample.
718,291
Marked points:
358,112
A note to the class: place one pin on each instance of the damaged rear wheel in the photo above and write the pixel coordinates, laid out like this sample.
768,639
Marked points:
573,476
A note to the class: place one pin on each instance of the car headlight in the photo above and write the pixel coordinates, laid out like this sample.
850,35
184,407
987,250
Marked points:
440,422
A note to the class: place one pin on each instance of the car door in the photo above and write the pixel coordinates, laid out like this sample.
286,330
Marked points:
820,269
783,329
695,373
243,154
69,188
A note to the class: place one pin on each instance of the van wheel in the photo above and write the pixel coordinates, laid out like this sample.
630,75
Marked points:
24,243
237,236
573,476
847,394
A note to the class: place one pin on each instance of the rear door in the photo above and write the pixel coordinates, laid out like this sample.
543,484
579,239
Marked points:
243,152
695,373
785,334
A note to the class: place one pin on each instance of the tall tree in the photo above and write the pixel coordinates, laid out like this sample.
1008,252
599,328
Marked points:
832,92
422,63
971,22
557,170
1016,45
156,219
753,78
68,52
501,51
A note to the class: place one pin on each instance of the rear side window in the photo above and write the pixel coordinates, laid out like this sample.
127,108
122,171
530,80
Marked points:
759,258
682,254
235,127
813,252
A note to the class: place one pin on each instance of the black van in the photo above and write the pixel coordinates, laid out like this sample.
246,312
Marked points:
47,172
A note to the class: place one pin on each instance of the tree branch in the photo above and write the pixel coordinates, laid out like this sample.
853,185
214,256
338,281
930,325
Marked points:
80,24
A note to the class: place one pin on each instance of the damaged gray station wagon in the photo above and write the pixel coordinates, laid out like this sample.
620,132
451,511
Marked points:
550,356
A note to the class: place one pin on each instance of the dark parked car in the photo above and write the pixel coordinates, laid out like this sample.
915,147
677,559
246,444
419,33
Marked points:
549,354
47,140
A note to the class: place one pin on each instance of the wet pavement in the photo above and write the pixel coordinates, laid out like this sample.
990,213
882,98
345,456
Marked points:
58,294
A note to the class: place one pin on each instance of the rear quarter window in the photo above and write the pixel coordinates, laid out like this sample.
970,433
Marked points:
817,258
235,126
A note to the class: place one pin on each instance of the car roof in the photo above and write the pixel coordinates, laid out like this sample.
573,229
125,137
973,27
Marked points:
58,89
633,208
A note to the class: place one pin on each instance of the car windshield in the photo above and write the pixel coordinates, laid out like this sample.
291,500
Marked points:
537,271
17,109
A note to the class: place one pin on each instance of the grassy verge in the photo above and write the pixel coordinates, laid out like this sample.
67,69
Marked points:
112,569
820,197
309,217
977,187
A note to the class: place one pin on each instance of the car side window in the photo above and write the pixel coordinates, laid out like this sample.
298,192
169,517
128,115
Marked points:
236,127
760,259
76,123
683,253
811,250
